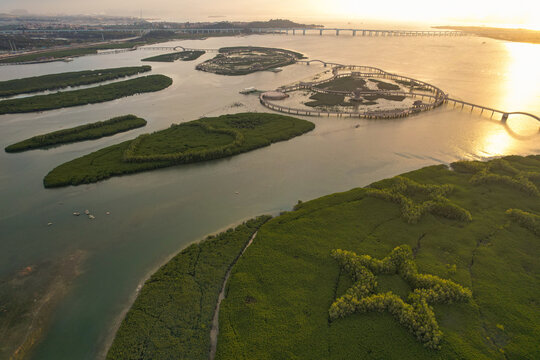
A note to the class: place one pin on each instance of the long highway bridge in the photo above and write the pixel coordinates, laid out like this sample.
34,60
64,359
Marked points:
286,31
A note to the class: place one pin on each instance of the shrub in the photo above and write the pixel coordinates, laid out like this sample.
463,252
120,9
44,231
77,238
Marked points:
527,220
416,315
401,191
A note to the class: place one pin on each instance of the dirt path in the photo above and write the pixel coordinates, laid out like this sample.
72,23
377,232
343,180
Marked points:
215,321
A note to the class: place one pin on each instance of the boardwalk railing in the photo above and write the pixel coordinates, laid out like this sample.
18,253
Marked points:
436,95
504,115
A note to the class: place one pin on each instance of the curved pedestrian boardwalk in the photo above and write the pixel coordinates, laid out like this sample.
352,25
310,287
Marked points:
436,96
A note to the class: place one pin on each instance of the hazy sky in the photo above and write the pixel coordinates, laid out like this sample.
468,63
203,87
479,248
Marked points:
519,12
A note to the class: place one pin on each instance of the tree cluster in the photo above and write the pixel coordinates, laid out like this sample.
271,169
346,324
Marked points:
526,219
499,171
130,155
415,314
403,190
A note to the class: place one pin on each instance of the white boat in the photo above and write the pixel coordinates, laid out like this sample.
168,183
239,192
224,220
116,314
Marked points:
248,90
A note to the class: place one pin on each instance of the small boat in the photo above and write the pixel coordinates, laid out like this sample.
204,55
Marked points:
91,217
76,213
108,213
49,224
68,59
248,90
275,70
87,212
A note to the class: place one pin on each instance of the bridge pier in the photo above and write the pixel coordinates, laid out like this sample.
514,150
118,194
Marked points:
320,32
354,33
337,32
294,32
304,32
504,118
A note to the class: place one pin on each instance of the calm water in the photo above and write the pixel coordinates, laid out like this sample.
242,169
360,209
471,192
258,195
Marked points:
155,214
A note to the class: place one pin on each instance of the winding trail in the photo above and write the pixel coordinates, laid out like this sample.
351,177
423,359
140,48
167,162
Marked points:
215,321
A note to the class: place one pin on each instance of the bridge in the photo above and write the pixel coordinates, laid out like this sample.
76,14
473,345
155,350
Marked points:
360,32
504,114
287,31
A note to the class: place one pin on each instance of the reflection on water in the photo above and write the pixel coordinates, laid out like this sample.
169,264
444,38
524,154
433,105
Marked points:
496,142
521,88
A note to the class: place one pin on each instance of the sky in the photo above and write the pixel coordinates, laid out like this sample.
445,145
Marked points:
514,13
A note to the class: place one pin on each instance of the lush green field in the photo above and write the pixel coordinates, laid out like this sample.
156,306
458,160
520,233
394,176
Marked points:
79,133
172,316
475,226
64,80
199,140
182,55
243,60
92,95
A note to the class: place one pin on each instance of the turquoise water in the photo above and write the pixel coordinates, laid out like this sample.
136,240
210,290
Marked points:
155,214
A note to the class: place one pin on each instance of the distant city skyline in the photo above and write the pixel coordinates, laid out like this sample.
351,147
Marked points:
517,13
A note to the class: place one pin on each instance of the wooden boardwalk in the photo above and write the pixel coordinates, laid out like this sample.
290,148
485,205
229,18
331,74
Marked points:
437,96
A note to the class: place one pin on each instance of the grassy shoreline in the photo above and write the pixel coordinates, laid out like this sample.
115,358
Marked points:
189,282
98,94
65,80
194,141
91,131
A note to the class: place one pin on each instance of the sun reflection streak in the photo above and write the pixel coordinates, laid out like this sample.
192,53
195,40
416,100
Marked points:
522,92
496,143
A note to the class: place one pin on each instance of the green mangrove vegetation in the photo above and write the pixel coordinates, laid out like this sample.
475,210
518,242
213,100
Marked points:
91,131
415,314
458,277
199,140
182,55
92,95
172,316
244,60
527,220
68,79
